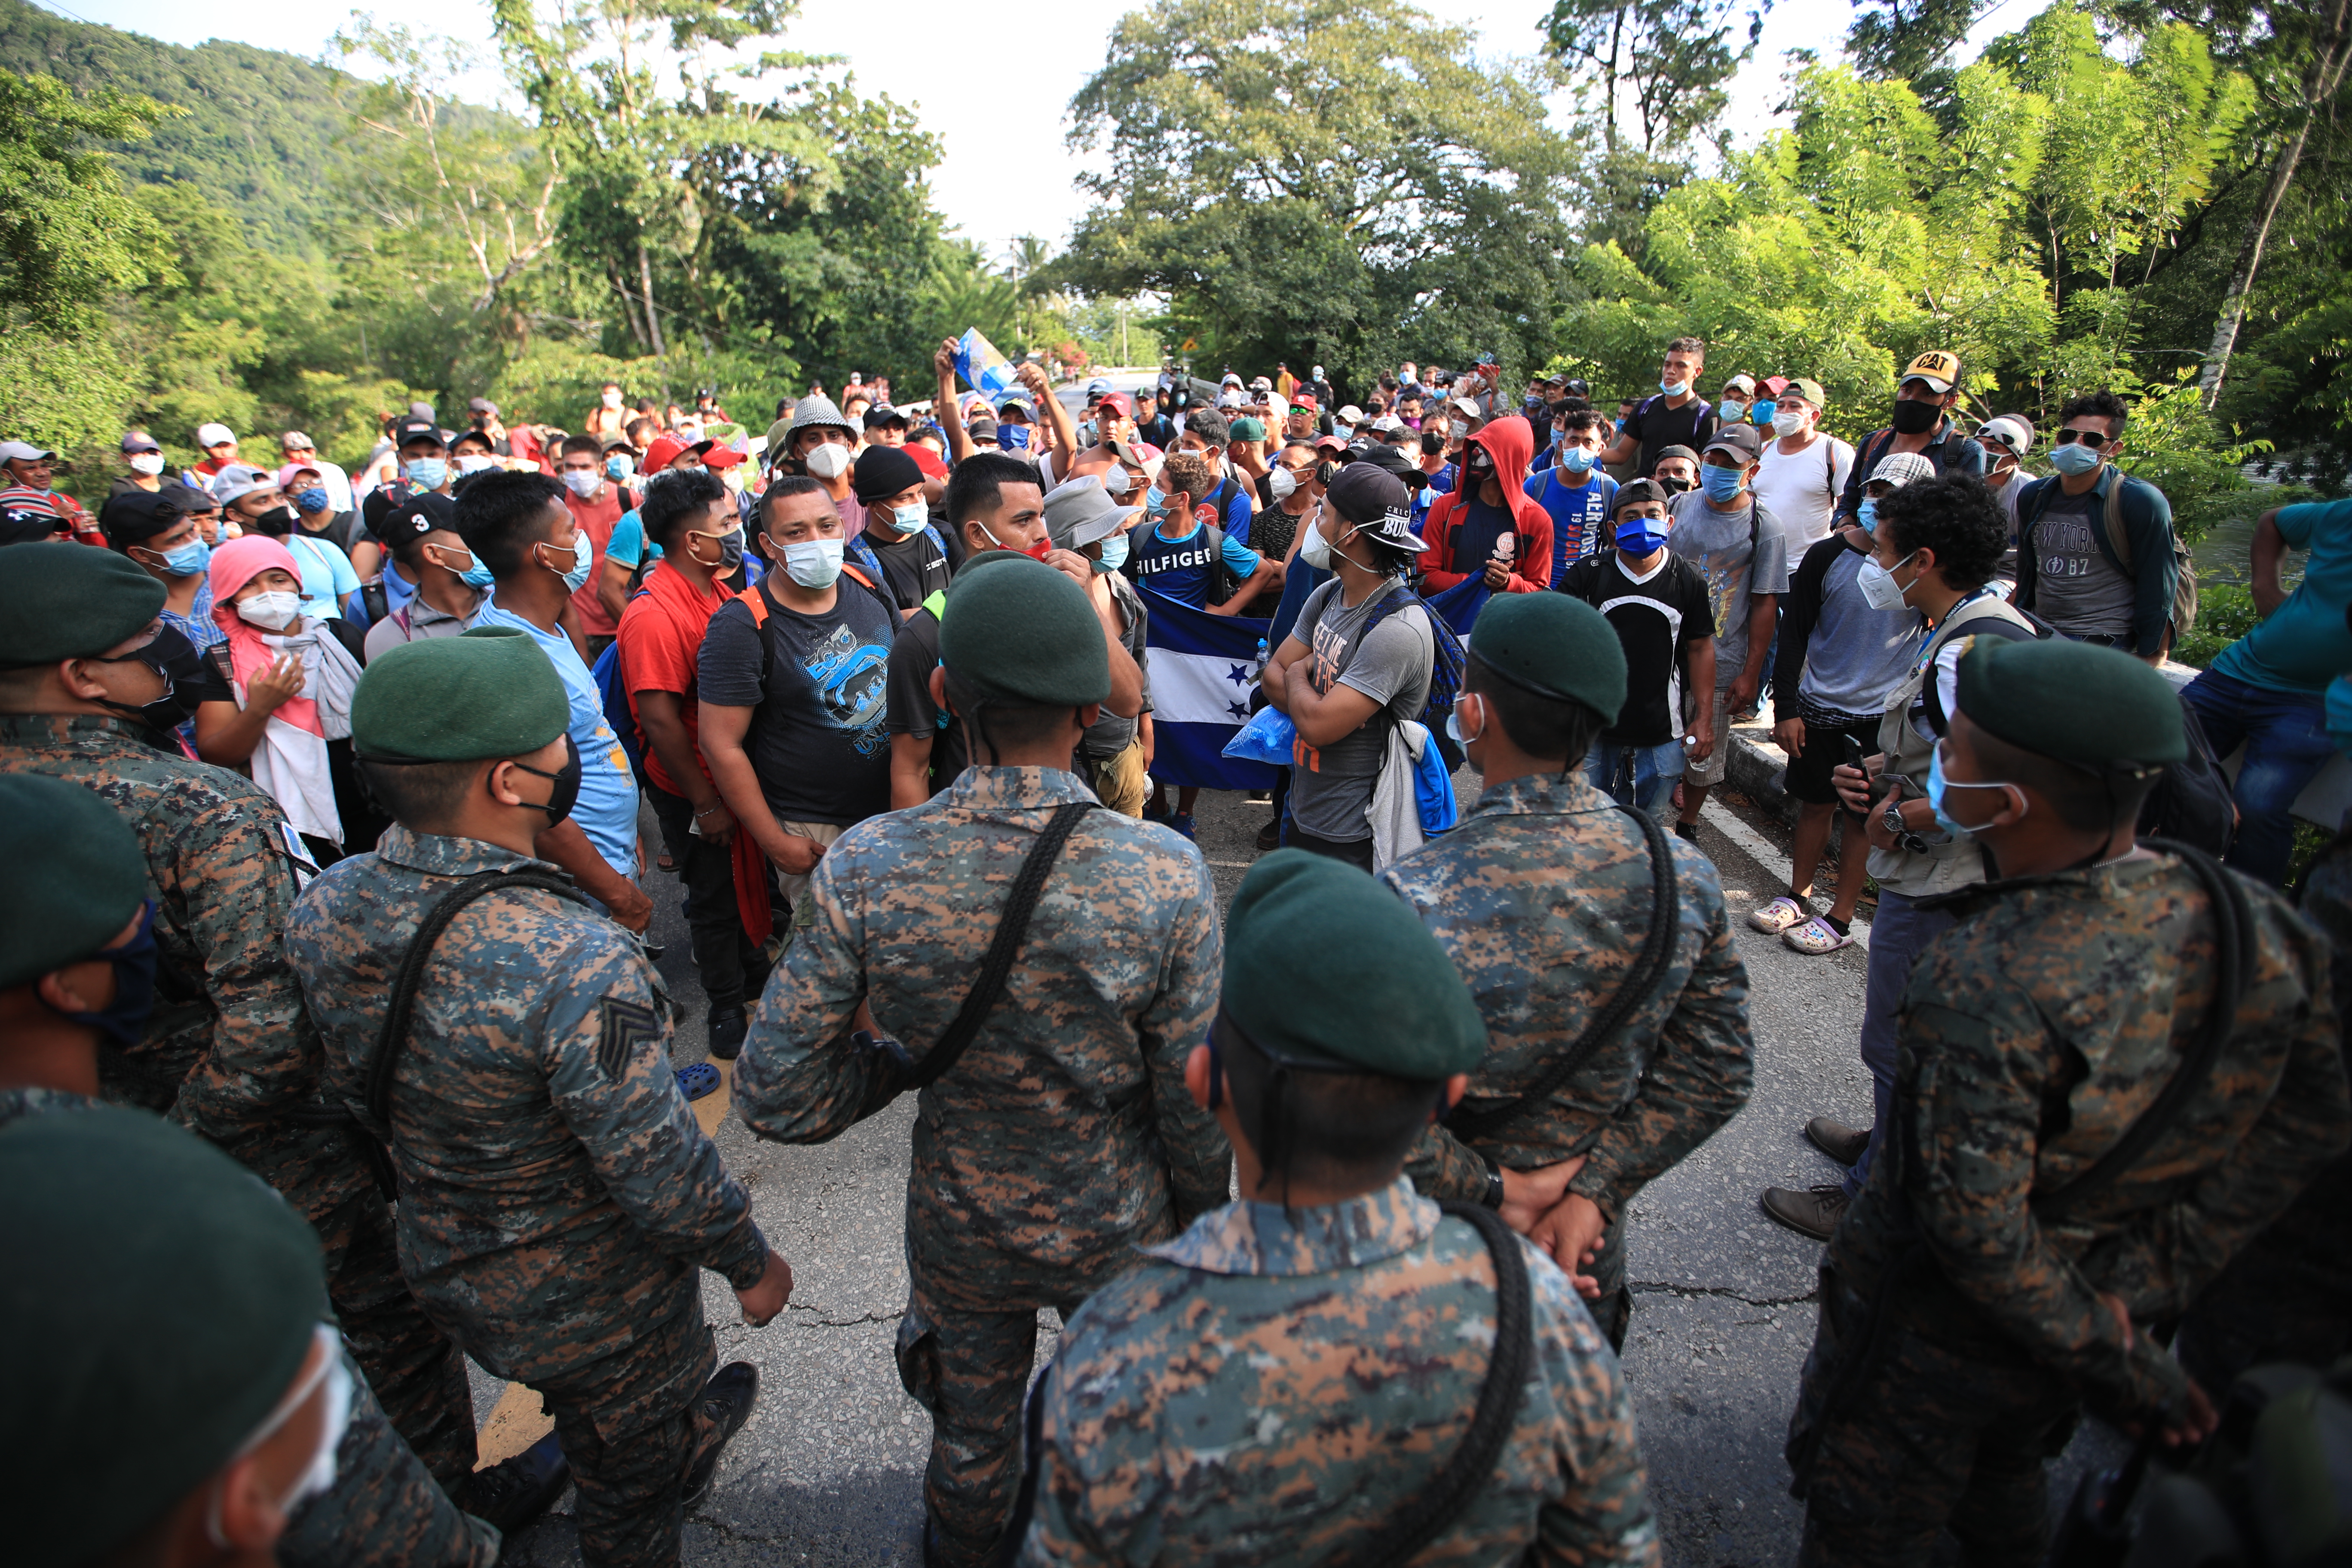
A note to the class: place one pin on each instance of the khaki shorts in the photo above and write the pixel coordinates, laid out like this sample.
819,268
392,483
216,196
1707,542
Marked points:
1119,782
1711,772
795,889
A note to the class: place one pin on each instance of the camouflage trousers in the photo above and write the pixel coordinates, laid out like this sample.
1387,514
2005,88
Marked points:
384,1510
631,1424
1922,1435
2288,1296
1613,1314
417,1373
971,1370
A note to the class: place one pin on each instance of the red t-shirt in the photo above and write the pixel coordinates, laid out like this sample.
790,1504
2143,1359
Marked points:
661,645
596,519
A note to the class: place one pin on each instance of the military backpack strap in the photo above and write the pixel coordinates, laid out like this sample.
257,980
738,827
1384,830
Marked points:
1640,982
391,1038
1449,1494
1011,926
2234,953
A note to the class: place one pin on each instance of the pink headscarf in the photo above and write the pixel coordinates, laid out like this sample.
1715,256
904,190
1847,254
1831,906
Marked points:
235,564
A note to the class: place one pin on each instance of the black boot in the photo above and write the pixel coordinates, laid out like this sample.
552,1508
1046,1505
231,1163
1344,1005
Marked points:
512,1492
727,1032
726,1400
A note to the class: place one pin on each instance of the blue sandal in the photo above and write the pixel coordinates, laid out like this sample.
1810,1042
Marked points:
697,1080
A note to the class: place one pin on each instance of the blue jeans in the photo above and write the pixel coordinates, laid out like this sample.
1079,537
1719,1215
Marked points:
1899,933
1634,775
2286,743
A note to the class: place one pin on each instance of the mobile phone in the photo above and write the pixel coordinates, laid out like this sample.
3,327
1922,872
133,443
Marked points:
1853,755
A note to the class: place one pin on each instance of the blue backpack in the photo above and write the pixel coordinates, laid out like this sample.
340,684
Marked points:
613,692
1444,668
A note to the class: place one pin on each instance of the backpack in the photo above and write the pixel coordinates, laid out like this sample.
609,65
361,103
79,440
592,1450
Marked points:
755,599
1222,584
873,576
2108,531
613,696
1446,662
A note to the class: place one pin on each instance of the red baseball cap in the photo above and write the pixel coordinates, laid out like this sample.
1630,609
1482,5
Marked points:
715,455
1304,400
932,465
667,449
1121,400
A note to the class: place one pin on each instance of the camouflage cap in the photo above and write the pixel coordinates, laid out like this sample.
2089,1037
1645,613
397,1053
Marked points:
1326,968
1022,632
63,600
1554,647
2075,702
75,874
138,1394
491,693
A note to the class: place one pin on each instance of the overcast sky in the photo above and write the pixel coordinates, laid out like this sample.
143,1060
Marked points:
995,93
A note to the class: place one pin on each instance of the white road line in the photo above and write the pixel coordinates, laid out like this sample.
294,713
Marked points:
1759,848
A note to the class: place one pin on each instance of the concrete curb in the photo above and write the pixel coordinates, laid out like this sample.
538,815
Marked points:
1756,765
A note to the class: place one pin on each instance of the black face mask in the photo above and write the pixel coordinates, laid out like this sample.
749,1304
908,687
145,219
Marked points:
566,793
123,1021
1913,417
1671,487
276,522
175,658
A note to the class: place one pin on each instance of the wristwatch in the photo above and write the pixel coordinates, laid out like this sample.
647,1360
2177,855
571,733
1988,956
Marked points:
1493,1197
1892,820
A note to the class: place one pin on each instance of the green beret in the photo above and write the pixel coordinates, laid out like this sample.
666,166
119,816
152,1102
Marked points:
491,693
1554,647
1021,632
60,600
2072,702
158,1302
75,874
1323,963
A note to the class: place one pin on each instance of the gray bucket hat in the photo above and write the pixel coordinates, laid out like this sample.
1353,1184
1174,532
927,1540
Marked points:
814,413
1081,512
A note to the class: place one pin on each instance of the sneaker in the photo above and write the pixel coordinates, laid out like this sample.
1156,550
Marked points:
1270,836
1778,916
727,1032
512,1492
1814,1212
1686,830
726,1400
1839,1142
1182,823
1817,937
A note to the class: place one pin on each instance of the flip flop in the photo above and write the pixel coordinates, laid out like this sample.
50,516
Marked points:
1817,937
1778,916
697,1080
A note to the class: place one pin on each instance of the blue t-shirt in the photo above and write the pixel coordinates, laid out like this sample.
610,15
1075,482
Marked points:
607,810
1182,568
2305,645
627,545
1235,507
1474,535
1578,514
327,574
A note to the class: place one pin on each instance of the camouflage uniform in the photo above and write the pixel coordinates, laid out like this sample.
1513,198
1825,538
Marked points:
1959,1337
557,1196
383,1510
1273,1388
1065,1136
230,1053
2288,1295
1541,898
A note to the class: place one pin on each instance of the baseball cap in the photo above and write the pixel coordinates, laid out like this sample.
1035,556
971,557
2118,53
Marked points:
482,405
1330,444
295,441
1939,368
1366,494
719,455
1900,468
1677,451
241,479
1248,427
2013,430
134,517
1099,384
1350,415
1743,381
982,430
882,414
1231,398
667,449
1305,400
210,435
409,431
1740,440
22,452
1123,404
139,441
1229,379
1776,384
1020,400
417,517
1806,388
286,475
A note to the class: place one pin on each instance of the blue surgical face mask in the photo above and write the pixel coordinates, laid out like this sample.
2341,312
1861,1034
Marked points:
1937,785
1113,552
1867,515
2073,459
1731,411
1760,414
909,519
188,559
426,473
1013,437
477,575
1639,536
1722,484
1674,388
616,469
1576,460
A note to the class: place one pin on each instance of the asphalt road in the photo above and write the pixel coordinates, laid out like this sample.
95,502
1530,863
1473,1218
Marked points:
829,1469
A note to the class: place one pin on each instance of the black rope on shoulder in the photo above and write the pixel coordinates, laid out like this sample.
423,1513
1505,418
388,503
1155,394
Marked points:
1641,981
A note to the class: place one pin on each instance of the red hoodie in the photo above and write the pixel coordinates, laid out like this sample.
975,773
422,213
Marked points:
1511,443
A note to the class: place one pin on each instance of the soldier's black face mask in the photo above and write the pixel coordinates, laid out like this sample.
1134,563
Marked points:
566,793
173,656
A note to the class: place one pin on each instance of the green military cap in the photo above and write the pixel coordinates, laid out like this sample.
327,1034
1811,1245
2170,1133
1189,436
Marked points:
491,693
75,874
158,1302
1554,647
61,600
1327,968
1018,631
2072,702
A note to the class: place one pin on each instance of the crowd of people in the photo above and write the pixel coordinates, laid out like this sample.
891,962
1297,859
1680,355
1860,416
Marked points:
329,799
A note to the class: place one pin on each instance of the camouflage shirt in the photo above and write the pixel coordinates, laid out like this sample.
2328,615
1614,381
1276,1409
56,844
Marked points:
1273,1388
551,1173
1064,1135
1542,897
228,1046
2033,1034
16,1104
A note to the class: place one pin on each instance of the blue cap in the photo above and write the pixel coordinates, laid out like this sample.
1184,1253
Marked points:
1020,400
1099,384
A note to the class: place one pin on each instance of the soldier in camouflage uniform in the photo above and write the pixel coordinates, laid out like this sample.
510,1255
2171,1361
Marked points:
1064,1138
77,962
86,695
1302,1375
558,1198
1543,897
1974,1299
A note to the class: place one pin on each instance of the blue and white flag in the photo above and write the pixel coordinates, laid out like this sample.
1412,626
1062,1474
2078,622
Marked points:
1202,668
1459,605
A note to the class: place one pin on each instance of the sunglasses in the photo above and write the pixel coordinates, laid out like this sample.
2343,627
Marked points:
2091,438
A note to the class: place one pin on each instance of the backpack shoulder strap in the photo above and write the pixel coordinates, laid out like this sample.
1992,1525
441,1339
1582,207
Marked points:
391,1038
1012,927
1649,966
2117,536
756,602
1448,1495
2233,957
936,601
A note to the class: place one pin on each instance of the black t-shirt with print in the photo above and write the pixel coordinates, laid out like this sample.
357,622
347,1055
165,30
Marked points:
1656,622
1657,427
817,738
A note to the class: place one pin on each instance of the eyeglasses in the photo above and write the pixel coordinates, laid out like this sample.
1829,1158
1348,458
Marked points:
2091,438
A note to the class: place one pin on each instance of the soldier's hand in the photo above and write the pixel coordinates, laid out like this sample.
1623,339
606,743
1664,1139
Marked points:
1571,1233
2195,1424
765,1300
1527,1195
